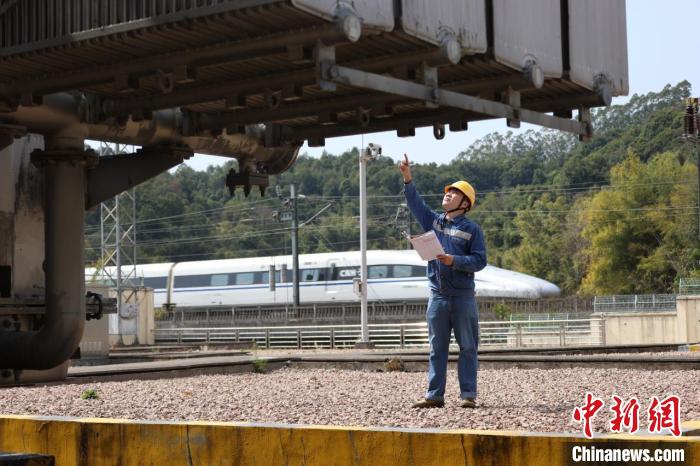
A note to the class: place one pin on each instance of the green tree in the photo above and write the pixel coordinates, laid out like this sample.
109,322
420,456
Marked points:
641,233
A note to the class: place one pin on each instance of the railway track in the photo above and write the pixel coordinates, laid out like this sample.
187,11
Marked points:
186,360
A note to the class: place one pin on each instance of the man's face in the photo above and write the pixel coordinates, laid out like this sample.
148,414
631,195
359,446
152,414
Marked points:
452,199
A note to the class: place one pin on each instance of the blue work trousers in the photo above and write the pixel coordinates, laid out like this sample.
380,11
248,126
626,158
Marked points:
444,314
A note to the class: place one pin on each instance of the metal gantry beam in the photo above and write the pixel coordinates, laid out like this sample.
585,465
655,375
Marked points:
434,95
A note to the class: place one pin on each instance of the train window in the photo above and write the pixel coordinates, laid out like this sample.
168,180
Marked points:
309,275
245,278
219,279
157,283
378,271
403,271
419,271
346,273
189,281
265,277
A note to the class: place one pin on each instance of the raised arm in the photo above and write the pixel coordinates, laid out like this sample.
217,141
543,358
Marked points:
419,209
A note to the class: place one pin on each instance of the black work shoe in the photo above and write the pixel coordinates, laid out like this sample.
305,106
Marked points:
428,403
468,403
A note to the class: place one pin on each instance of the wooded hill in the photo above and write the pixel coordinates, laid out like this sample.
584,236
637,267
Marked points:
618,214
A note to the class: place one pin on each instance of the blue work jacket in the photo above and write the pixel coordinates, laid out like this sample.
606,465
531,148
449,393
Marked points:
460,237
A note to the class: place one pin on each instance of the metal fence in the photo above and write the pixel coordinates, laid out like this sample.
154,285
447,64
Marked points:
689,286
349,313
634,303
516,334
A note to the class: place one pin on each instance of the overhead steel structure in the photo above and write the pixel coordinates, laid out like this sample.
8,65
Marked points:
253,80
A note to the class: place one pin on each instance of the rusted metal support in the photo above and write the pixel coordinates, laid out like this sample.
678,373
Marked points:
64,321
247,179
118,173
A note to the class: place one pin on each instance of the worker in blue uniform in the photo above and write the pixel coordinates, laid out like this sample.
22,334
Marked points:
452,304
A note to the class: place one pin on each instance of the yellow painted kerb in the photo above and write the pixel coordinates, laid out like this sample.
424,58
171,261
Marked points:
110,441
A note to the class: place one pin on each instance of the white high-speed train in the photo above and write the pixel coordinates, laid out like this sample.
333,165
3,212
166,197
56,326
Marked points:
327,277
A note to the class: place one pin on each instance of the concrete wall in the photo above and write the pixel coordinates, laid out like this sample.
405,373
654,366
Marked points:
642,328
135,322
22,218
682,326
689,310
98,442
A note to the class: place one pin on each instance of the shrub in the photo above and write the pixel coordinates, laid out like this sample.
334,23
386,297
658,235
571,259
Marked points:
89,394
259,366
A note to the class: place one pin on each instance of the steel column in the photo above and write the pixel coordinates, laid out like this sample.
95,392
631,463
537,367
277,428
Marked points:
63,325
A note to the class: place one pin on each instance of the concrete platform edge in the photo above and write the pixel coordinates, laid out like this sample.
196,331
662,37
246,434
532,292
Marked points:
83,441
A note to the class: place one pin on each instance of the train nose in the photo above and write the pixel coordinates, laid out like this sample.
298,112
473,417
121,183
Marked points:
549,290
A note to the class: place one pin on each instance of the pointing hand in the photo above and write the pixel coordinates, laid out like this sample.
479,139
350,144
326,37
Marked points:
405,169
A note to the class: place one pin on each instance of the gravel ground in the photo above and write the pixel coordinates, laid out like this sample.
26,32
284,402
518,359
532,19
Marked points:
512,399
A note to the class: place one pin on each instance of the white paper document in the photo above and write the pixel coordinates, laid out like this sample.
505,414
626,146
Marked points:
427,245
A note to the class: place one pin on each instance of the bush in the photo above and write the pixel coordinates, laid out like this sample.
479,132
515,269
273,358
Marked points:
259,366
89,394
502,311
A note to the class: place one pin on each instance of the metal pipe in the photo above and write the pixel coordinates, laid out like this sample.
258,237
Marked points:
295,247
64,320
64,109
364,155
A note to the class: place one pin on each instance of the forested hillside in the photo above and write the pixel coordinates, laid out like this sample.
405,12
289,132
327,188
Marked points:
615,215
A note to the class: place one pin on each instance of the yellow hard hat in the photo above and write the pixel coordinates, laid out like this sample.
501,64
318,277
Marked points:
466,189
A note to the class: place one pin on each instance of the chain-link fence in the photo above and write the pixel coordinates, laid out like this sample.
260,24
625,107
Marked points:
635,303
689,286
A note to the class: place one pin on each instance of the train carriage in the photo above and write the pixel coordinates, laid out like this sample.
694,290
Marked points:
326,277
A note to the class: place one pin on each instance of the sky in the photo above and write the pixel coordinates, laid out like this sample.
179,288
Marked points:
662,49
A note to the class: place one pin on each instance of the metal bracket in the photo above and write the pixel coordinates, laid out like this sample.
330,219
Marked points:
512,98
584,116
363,79
117,173
325,62
429,77
247,179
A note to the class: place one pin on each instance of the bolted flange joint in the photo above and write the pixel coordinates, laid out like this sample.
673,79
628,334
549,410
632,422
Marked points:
88,158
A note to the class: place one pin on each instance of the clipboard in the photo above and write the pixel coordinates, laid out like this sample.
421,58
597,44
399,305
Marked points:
426,245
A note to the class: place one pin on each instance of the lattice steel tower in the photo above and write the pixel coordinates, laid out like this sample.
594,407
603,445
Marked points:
118,238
